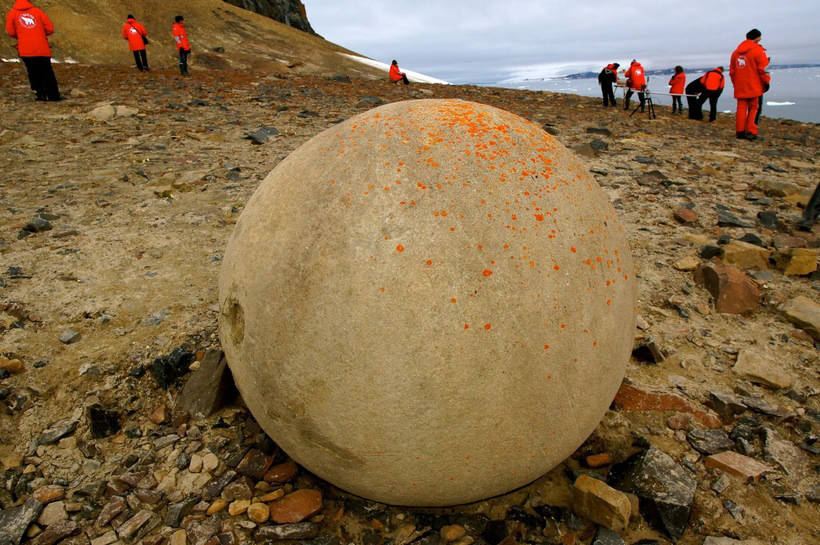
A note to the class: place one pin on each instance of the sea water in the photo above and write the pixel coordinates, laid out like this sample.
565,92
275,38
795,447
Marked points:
794,92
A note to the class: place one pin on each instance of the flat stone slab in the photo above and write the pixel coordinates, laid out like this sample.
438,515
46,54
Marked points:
737,464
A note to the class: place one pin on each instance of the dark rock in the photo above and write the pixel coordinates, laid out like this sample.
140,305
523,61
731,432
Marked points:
15,272
201,531
652,178
726,405
298,530
598,145
727,219
254,464
110,510
709,441
262,134
241,489
752,238
208,387
369,102
343,78
664,488
645,160
197,102
599,130
709,251
57,431
530,520
307,113
15,521
215,486
648,351
167,369
37,225
768,219
56,532
605,536
720,484
775,168
180,510
734,509
495,531
724,239
103,422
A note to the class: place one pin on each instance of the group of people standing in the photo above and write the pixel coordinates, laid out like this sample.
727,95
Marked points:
30,26
747,70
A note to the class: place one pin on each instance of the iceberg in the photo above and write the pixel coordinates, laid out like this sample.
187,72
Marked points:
769,103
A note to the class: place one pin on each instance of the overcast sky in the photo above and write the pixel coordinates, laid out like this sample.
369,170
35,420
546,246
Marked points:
486,42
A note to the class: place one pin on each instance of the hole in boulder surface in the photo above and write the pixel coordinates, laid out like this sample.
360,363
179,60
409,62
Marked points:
235,318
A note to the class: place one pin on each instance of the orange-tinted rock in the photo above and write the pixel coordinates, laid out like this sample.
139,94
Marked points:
732,291
632,398
49,494
599,460
737,464
296,506
686,215
797,261
282,473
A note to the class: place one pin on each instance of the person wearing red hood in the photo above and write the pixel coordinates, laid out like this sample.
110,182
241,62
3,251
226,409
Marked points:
636,81
137,38
396,75
181,41
30,26
747,69
713,82
676,84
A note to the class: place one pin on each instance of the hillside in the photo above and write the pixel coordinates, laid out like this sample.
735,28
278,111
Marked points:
221,35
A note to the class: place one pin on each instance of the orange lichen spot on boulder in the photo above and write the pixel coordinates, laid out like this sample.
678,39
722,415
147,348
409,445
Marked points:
487,272
399,248
487,326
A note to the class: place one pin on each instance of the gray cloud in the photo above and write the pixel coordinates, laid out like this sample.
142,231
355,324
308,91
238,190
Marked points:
464,41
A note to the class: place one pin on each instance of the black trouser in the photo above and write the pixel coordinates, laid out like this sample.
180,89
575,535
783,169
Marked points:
141,58
693,90
712,96
183,61
759,109
629,93
403,79
677,103
41,77
609,95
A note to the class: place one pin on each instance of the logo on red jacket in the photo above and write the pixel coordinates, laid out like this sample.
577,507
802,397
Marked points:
28,20
741,61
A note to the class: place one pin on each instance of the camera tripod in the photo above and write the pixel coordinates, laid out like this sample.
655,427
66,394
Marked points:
650,106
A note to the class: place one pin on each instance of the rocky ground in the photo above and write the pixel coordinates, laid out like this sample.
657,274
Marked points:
117,204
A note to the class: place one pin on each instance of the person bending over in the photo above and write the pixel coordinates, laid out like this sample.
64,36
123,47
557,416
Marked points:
713,82
606,79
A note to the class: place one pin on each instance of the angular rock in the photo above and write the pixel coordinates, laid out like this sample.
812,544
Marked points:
666,490
688,263
784,453
778,188
15,521
804,313
300,530
69,336
737,464
178,511
207,387
709,441
47,494
727,219
685,215
369,101
106,539
215,486
732,291
262,134
114,507
768,219
709,251
37,225
56,532
713,540
797,261
130,527
600,503
167,369
53,513
632,398
605,536
102,422
744,255
57,431
762,369
296,506
727,406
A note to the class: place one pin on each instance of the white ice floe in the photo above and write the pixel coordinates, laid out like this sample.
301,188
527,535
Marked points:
769,103
9,60
412,76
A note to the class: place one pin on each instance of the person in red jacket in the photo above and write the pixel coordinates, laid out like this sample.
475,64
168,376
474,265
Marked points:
137,38
30,26
713,82
606,78
636,81
747,69
676,84
396,75
181,41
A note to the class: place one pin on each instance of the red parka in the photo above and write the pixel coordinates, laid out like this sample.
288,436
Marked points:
635,77
30,26
395,75
747,68
713,80
677,83
180,36
134,33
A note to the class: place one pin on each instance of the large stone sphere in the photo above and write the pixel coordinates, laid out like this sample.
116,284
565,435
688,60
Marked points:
428,304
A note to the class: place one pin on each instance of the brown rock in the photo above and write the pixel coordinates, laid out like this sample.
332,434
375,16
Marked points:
805,314
688,263
737,464
282,473
744,255
452,532
599,460
254,464
797,261
685,215
632,398
762,369
238,507
48,494
296,506
600,503
207,388
786,242
259,512
217,506
133,525
56,532
159,415
180,537
114,507
273,496
12,366
679,421
733,292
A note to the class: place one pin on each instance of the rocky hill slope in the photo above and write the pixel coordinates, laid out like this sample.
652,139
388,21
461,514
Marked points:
117,204
289,12
221,35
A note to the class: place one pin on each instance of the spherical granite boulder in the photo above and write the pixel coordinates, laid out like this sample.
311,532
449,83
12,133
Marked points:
428,304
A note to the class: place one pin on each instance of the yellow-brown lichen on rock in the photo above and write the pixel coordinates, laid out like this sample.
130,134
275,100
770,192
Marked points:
428,304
